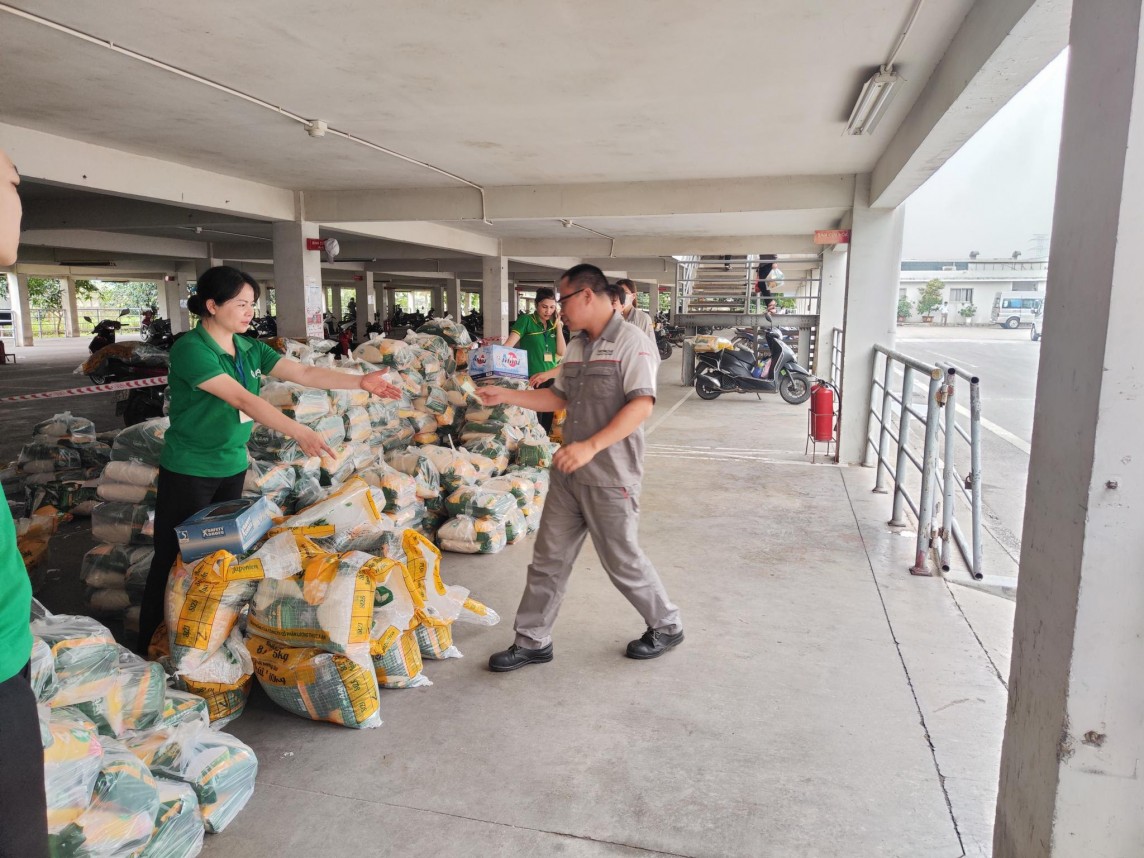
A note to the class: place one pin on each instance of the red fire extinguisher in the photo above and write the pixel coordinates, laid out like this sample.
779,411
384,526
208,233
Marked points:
822,411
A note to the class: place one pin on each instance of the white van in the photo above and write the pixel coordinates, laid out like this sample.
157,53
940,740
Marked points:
1013,309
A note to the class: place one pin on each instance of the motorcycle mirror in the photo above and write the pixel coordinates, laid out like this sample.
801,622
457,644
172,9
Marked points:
87,318
124,312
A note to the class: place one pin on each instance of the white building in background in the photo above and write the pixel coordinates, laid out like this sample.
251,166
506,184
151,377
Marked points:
971,282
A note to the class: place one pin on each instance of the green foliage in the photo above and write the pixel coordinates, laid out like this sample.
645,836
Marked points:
929,297
905,307
132,293
786,304
968,311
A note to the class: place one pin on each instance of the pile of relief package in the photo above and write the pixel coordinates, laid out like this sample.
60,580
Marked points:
131,767
57,466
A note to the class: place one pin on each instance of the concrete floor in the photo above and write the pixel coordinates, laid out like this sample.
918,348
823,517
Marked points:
825,702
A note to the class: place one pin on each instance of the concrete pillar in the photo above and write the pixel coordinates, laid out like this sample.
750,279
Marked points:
70,308
871,302
180,315
382,294
495,297
202,265
336,302
263,300
831,307
21,310
453,298
161,306
1070,780
298,276
674,301
363,289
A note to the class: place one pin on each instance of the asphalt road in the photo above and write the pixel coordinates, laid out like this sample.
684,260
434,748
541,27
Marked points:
1006,363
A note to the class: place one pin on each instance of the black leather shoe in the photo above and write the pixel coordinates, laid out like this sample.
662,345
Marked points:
654,643
517,656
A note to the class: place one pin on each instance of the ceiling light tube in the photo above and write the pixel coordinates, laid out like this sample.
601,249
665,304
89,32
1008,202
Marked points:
876,95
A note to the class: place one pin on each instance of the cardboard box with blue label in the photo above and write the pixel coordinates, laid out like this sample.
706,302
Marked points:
234,526
498,361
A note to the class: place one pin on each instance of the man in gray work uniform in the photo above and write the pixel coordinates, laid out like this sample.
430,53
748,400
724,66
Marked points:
607,384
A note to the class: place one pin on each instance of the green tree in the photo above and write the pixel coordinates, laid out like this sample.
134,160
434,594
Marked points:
131,293
905,307
930,296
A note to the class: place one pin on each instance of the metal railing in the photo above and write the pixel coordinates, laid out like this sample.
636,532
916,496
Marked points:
940,478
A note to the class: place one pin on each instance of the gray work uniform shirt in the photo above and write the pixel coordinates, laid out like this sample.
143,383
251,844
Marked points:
597,378
642,321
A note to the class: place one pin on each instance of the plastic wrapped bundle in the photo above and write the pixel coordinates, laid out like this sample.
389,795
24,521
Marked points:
94,455
492,448
307,483
84,654
397,661
121,816
131,473
437,346
42,457
476,613
179,829
319,685
393,439
79,429
135,703
455,466
72,760
329,606
417,464
520,486
33,535
358,426
106,565
454,333
273,479
382,413
480,502
423,422
532,515
182,707
42,671
400,490
123,523
142,442
219,767
486,468
339,467
540,477
467,535
515,526
383,352
304,404
125,493
536,454
267,443
204,600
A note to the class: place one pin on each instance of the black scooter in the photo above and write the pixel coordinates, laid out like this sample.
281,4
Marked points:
661,341
104,332
737,370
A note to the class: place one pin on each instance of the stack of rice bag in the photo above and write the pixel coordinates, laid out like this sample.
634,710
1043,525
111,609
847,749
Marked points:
33,534
131,767
57,466
114,572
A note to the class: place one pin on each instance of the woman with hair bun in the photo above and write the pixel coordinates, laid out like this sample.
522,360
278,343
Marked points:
214,379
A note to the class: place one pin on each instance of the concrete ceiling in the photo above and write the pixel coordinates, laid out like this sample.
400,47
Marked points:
507,93
661,128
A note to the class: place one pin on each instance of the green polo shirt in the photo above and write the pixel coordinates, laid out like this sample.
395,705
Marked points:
538,340
15,601
206,438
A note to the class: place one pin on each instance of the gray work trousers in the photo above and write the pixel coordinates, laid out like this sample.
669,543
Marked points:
611,515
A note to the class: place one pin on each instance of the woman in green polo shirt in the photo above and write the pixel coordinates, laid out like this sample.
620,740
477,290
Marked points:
214,379
541,335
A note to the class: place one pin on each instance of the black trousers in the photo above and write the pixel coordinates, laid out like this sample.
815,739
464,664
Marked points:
544,418
179,496
23,806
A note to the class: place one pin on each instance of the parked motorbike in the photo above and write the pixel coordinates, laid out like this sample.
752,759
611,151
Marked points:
674,333
137,404
661,340
474,323
104,332
738,370
262,326
157,332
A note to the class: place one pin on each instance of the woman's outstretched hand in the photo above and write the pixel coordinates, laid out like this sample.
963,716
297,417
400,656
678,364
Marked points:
376,384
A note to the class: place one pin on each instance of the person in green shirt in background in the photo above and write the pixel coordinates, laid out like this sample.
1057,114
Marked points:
214,378
541,335
23,804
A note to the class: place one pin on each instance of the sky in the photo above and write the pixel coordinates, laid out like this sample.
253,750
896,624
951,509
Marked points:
995,195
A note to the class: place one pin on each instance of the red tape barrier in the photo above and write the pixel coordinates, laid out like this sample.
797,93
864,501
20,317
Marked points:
92,388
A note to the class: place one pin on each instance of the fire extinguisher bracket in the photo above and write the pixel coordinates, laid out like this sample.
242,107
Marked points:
822,421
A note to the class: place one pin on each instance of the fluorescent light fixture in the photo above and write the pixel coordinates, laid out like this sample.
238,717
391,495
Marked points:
876,95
